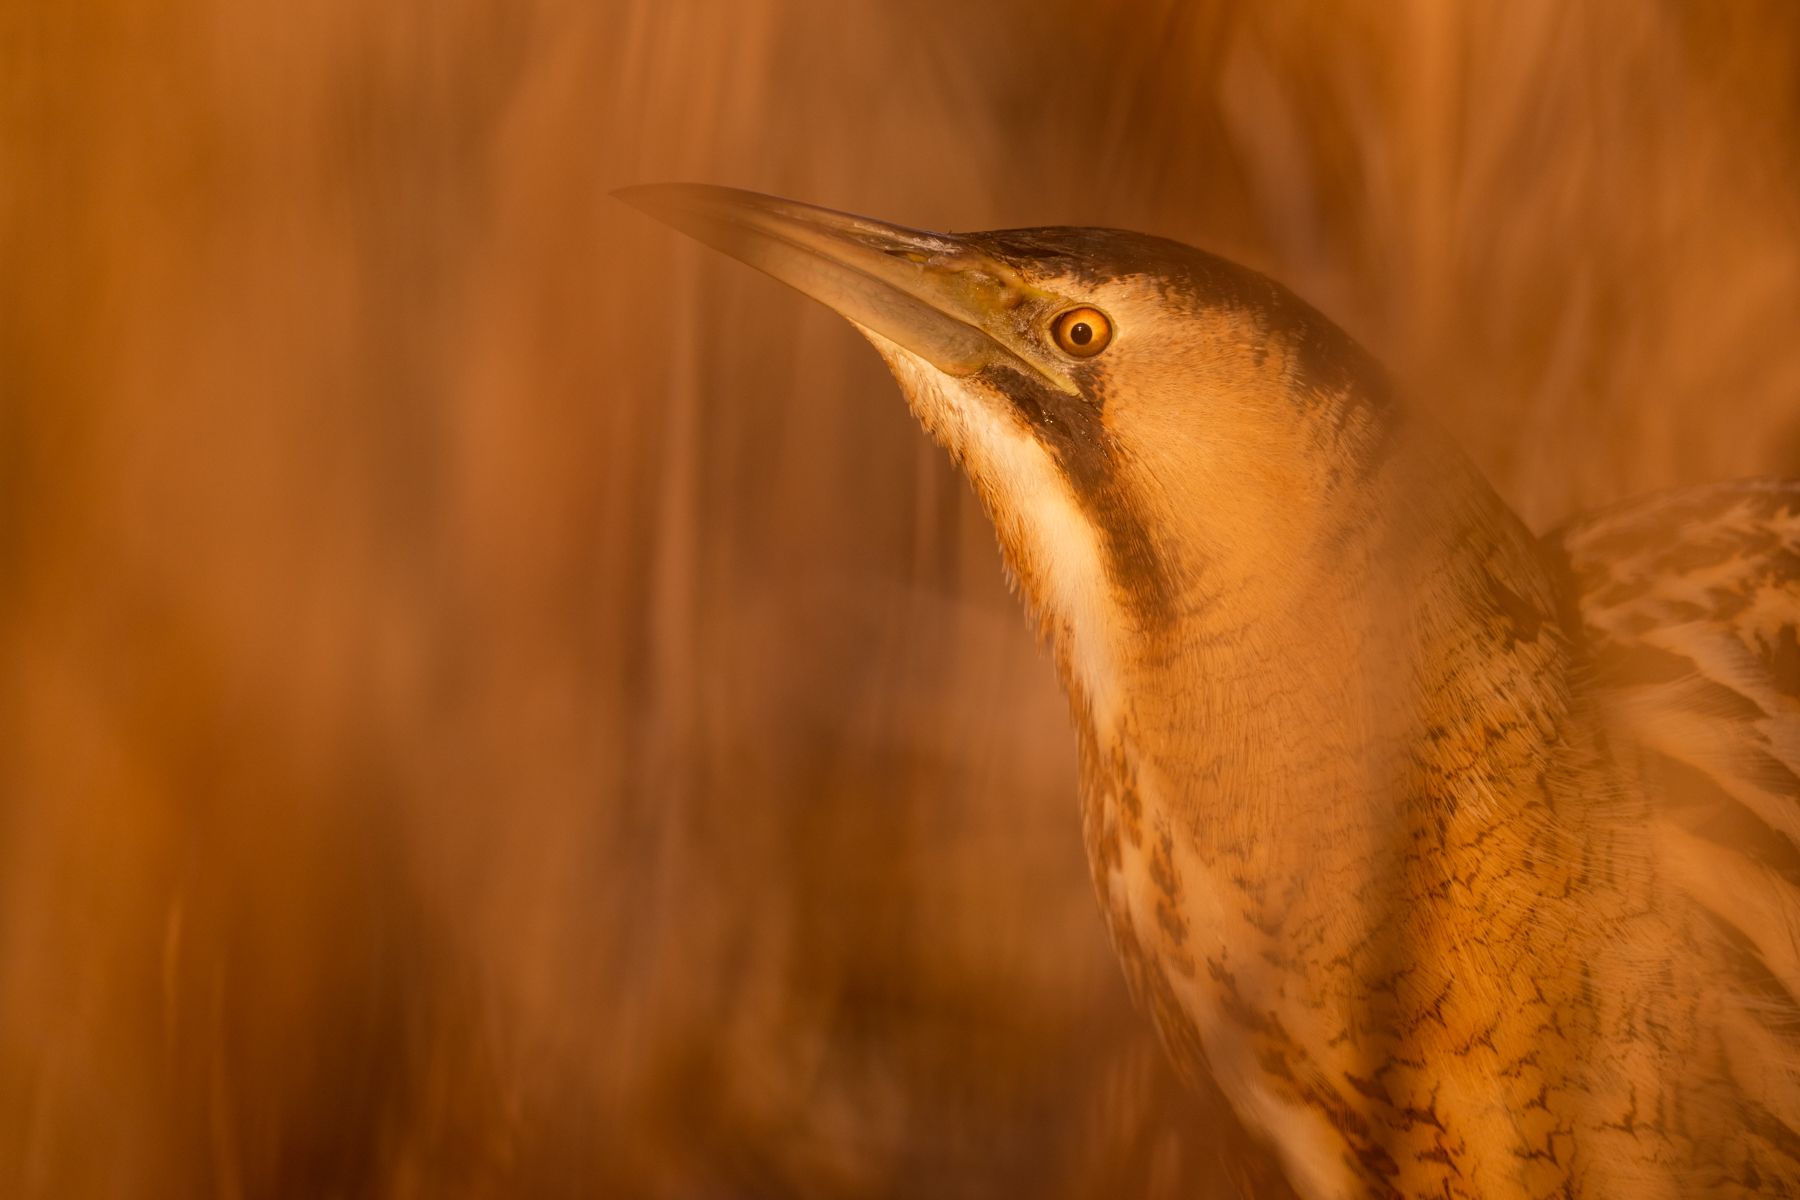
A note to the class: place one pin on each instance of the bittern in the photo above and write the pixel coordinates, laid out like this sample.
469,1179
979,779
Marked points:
1462,862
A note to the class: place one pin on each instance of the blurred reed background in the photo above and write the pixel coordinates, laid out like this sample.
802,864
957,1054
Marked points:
498,702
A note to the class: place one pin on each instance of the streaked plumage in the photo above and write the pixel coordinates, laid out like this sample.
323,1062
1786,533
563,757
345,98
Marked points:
1460,863
1690,607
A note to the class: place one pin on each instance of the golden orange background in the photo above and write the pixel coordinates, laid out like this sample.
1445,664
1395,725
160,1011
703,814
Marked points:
496,701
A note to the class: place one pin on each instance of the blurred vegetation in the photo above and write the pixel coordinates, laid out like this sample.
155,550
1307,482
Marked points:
497,702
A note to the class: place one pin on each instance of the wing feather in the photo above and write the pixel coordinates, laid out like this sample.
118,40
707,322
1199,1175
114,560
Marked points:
1690,602
1690,606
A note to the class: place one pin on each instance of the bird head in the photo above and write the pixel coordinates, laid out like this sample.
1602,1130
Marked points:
1151,428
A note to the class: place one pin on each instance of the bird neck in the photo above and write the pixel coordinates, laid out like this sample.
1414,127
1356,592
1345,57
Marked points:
1299,709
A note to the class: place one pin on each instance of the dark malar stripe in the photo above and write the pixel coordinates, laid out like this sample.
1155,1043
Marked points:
1070,427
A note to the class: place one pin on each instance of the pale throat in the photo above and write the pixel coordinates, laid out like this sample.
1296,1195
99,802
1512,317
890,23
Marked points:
1050,546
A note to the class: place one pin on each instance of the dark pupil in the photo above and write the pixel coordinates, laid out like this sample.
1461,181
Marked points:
1080,333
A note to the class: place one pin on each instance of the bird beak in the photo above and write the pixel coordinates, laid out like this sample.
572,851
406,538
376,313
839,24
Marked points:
933,294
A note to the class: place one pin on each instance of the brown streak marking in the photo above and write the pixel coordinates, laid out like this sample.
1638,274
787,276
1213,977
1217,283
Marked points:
1171,922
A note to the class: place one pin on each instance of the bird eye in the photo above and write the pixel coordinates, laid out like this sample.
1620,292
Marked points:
1082,332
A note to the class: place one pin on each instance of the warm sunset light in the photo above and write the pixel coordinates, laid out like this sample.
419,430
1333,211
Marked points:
500,700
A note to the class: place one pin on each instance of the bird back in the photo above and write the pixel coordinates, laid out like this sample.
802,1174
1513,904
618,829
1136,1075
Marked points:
1690,603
